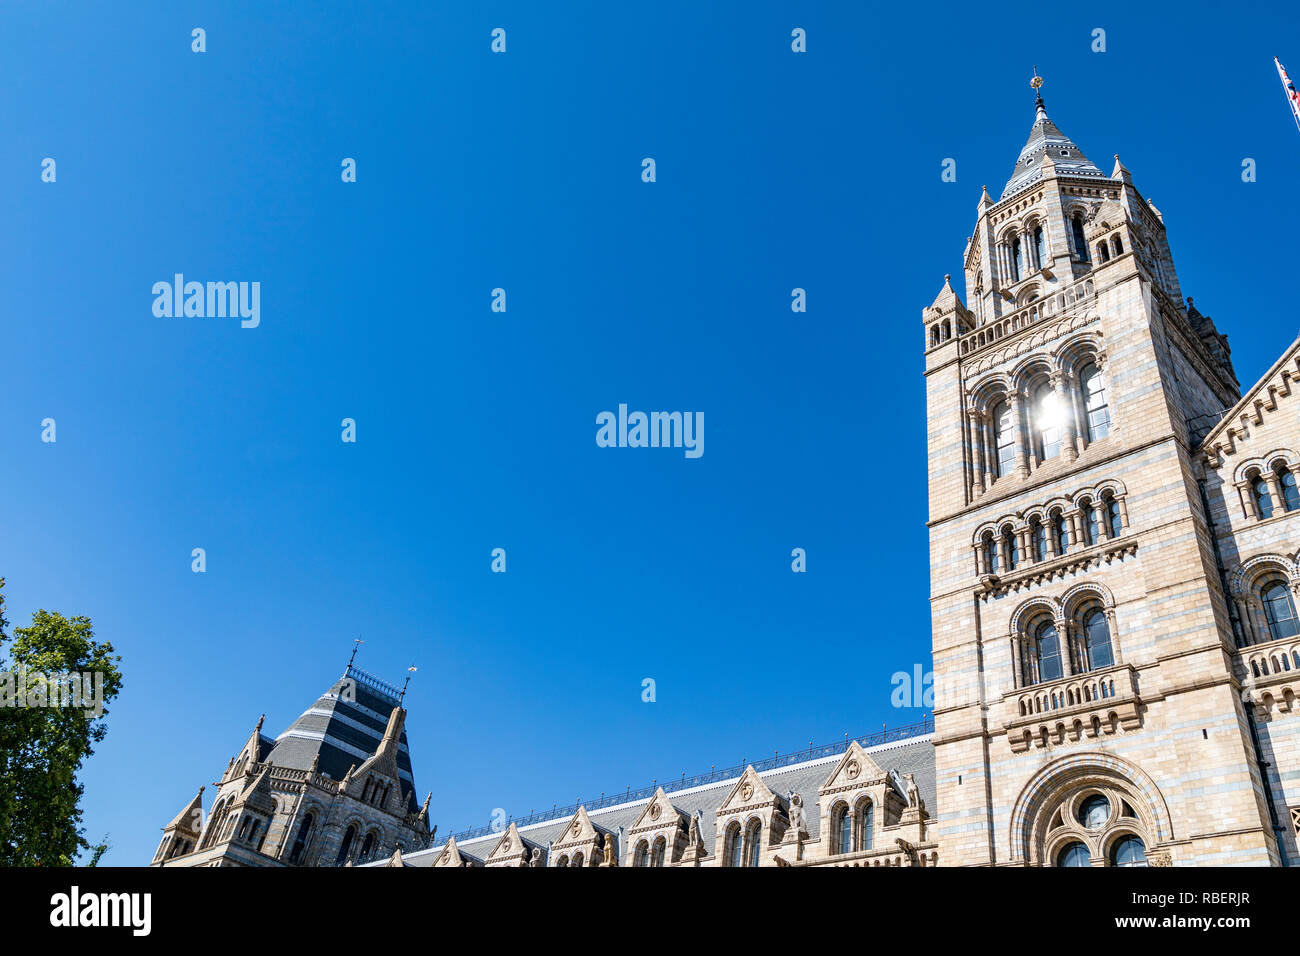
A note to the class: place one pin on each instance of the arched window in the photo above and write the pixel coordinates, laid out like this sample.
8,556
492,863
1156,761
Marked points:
216,822
563,861
1129,851
868,825
367,845
1114,518
1017,261
1096,639
1075,854
1013,548
1004,437
843,827
1290,494
577,859
300,841
755,841
641,855
1094,397
1047,421
345,846
1279,610
735,846
1043,654
990,552
1080,243
1263,500
1038,535
1087,523
1105,252
1118,246
1060,532
657,854
1040,251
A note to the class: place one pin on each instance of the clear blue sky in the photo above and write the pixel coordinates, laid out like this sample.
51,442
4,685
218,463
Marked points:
476,430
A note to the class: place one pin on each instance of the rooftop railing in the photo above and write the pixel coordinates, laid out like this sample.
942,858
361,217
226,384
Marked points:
775,762
373,682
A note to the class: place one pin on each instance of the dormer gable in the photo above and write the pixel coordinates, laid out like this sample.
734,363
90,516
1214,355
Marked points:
451,857
749,793
511,850
856,770
659,813
659,834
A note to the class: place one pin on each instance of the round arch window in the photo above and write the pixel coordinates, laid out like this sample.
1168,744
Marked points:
1129,851
1279,611
1074,854
1094,811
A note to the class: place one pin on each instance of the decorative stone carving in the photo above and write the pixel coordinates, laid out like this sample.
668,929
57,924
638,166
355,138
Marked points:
797,828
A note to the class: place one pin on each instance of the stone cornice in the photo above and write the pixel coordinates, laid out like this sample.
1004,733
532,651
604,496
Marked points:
1117,549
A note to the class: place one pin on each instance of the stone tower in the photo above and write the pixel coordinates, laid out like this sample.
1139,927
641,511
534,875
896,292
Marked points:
1088,707
335,789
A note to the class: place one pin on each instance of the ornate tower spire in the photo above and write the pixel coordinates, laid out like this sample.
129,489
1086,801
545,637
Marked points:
1046,141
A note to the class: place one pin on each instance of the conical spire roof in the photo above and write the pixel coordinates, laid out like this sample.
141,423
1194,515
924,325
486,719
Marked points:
190,816
1047,140
345,727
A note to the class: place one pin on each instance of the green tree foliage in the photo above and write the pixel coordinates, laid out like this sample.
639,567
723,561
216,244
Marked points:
42,748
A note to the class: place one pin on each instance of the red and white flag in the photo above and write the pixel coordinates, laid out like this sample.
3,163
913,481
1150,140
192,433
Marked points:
1292,96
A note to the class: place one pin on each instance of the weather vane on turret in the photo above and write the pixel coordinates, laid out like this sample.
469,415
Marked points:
356,646
409,672
1037,84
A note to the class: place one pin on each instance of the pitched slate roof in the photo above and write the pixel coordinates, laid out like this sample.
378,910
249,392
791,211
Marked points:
915,756
344,732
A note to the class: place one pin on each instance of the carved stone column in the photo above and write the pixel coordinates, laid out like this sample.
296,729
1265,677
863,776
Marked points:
1274,490
1114,636
1258,621
1080,415
977,447
1247,500
1065,408
1065,631
1102,511
990,450
1073,518
1014,403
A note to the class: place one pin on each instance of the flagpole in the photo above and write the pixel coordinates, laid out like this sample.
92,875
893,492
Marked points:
1289,90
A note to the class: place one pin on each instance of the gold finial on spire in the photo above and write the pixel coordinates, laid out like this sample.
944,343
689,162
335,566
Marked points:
1037,81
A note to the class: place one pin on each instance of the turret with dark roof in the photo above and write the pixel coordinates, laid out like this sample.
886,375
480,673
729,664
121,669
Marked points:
1047,142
